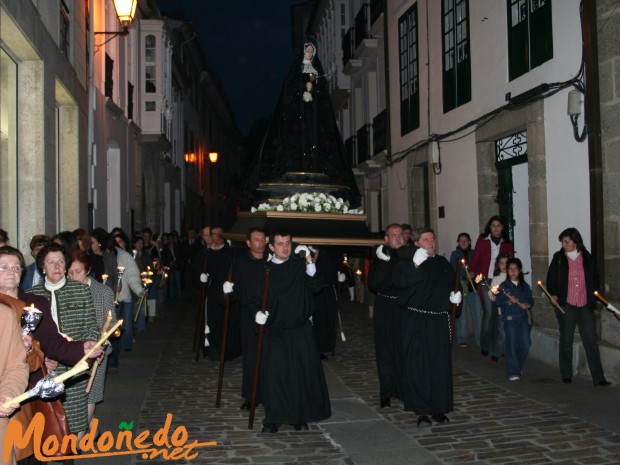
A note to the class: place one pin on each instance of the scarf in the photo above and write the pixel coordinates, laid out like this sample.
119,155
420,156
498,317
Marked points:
53,288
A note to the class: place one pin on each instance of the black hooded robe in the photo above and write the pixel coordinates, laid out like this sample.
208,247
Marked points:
293,383
424,292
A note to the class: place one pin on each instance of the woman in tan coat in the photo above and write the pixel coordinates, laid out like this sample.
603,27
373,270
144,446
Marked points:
13,369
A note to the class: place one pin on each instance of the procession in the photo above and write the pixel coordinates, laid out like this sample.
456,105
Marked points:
380,235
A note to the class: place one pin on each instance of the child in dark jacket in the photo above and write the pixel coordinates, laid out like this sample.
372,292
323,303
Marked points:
514,296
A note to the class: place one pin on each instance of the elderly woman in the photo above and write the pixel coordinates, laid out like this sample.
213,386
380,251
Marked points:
13,367
74,314
52,344
103,299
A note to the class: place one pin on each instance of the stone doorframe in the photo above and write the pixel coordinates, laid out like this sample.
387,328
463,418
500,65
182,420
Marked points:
530,119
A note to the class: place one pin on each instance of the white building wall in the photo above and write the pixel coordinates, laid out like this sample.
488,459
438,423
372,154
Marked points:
568,203
490,84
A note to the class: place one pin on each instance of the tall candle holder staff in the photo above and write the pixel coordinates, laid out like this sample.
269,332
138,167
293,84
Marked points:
572,279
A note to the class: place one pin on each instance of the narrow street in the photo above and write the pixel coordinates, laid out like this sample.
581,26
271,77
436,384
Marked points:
536,421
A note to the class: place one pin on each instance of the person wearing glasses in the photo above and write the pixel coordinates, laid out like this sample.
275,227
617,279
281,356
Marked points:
74,314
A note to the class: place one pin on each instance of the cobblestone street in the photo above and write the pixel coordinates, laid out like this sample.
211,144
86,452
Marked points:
536,421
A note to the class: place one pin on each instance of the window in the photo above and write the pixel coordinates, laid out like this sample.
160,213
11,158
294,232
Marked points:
150,68
409,71
109,76
456,60
64,28
530,41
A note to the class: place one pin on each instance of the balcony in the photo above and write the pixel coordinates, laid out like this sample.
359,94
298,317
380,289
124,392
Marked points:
363,144
379,134
348,58
365,45
376,17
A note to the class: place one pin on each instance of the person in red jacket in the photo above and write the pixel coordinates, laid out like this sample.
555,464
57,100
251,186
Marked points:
493,241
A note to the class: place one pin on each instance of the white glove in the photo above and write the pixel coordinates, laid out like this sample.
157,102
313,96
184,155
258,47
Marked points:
228,287
420,256
261,318
204,277
302,248
341,277
456,298
312,249
381,255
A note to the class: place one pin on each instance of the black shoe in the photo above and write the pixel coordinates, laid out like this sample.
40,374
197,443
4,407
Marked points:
494,359
440,418
270,428
484,352
323,356
301,427
245,406
424,421
385,402
567,380
602,383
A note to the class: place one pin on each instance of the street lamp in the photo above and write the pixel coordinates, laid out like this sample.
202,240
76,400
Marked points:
125,12
213,157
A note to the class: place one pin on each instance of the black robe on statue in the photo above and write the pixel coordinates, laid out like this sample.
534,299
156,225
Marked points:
302,150
387,324
293,383
424,292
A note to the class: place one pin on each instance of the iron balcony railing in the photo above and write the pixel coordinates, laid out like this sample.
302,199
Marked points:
347,46
379,135
362,24
363,143
349,146
376,8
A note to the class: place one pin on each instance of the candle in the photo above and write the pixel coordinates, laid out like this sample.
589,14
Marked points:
544,289
93,371
44,386
467,273
601,298
104,337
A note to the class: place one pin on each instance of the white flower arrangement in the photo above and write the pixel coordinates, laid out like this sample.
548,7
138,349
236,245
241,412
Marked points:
308,202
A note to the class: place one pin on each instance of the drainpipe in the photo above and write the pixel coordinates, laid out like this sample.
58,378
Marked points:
386,60
593,120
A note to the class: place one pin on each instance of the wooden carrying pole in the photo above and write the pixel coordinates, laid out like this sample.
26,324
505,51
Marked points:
259,349
220,379
457,282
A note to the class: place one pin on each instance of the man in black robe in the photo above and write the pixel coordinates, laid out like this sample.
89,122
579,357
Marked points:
293,383
248,280
425,292
219,258
387,317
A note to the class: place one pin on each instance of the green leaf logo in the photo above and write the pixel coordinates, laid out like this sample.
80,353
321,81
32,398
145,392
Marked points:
123,425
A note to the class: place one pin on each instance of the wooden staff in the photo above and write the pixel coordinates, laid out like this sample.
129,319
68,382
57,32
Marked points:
457,283
200,317
259,349
93,370
220,379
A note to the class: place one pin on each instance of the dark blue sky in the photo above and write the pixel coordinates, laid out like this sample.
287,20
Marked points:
248,44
